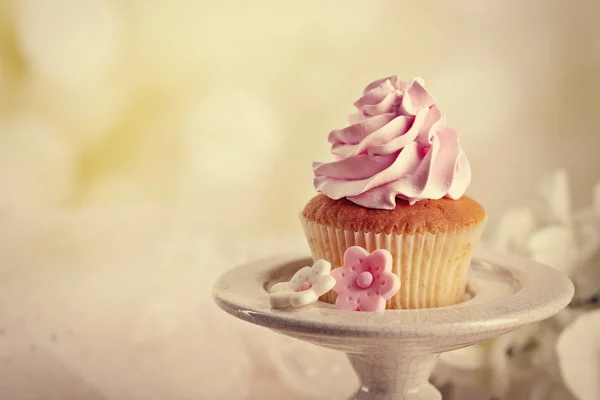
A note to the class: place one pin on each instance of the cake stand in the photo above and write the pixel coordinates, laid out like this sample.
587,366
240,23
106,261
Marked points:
394,352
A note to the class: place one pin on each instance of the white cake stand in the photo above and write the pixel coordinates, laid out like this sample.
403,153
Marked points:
394,352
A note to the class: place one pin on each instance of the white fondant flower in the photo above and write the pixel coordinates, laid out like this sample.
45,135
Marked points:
305,287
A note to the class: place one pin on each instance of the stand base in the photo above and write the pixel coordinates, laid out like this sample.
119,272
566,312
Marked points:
394,377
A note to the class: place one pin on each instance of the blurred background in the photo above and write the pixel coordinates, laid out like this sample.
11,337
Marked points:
145,146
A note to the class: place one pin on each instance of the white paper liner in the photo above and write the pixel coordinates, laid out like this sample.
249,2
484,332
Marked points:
432,267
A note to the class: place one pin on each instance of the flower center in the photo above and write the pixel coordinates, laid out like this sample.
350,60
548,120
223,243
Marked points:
304,286
364,279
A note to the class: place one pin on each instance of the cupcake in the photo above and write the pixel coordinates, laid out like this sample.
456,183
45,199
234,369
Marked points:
398,183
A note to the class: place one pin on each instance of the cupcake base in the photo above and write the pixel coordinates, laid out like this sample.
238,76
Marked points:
432,266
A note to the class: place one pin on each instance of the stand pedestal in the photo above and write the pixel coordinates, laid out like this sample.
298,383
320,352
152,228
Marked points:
393,376
394,352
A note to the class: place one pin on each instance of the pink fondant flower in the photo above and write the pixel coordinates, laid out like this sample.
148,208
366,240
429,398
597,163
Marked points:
365,281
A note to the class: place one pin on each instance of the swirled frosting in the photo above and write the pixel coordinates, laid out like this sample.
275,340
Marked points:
397,146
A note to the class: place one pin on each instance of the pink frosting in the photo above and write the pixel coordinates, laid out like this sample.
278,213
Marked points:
397,145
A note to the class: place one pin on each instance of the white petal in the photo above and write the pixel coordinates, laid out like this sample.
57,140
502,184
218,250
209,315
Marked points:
553,202
554,246
300,276
280,299
514,227
281,287
299,299
321,267
578,347
323,285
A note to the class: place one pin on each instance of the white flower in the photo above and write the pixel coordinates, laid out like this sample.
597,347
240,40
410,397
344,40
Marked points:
578,348
305,287
547,230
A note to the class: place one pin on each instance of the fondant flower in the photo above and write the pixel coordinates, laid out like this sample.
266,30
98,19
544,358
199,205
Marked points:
304,288
365,282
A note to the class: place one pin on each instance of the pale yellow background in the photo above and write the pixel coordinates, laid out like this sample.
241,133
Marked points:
217,109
